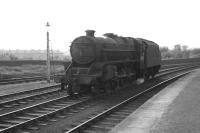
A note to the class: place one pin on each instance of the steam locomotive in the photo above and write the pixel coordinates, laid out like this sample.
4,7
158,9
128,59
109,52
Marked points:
101,64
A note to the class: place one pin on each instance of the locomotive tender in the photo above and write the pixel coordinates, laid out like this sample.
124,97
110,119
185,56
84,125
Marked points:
101,64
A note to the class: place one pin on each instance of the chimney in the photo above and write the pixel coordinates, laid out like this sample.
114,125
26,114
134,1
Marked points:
90,33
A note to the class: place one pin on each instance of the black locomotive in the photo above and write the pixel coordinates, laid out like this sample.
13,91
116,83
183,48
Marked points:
101,64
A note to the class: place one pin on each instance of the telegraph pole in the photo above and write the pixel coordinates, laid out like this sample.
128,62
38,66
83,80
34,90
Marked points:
48,57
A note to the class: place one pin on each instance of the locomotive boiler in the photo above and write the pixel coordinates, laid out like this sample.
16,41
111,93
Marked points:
101,64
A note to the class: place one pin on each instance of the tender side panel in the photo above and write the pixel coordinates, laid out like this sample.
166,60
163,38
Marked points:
153,55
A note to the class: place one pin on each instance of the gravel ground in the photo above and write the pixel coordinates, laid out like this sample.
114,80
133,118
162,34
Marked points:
17,71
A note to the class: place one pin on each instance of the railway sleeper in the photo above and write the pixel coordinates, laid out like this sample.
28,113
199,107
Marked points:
121,113
73,111
69,113
117,115
37,98
15,121
97,129
106,123
25,117
15,104
5,125
32,128
101,126
7,106
111,119
67,102
42,111
34,114
61,104
56,106
49,108
42,123
81,108
88,131
128,111
52,119
61,116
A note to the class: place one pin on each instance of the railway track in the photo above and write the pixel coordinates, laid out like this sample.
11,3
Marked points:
177,65
21,80
12,104
106,120
7,97
27,97
25,79
12,121
177,68
38,114
51,110
96,125
36,93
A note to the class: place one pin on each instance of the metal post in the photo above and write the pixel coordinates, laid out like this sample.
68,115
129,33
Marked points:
48,57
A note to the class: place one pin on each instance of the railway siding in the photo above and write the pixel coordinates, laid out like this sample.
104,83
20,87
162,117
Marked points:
8,89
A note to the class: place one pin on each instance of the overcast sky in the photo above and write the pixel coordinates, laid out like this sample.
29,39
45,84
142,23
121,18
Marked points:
166,22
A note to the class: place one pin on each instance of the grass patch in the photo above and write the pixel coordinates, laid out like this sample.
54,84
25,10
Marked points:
28,70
